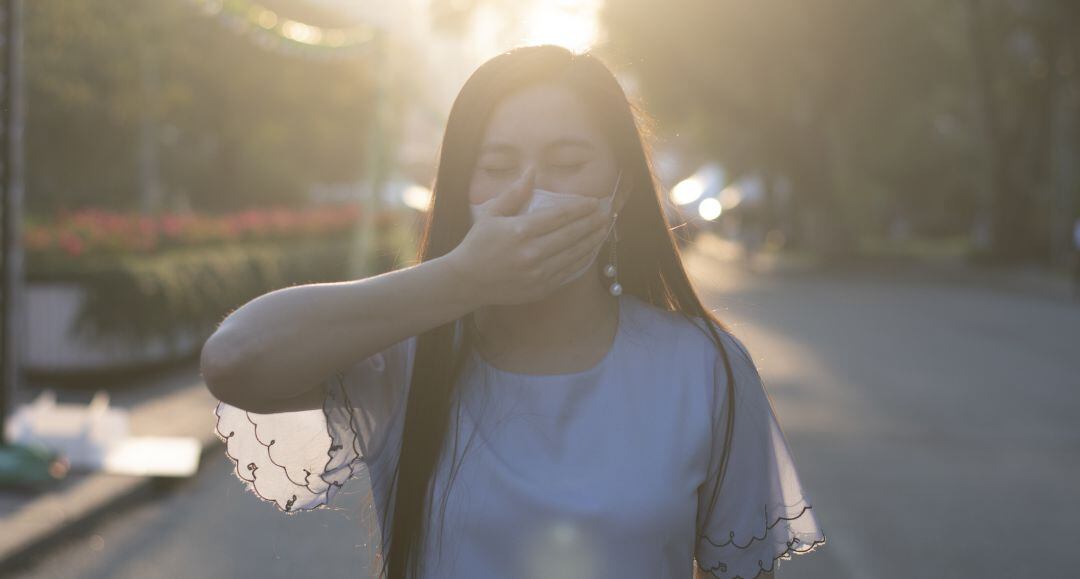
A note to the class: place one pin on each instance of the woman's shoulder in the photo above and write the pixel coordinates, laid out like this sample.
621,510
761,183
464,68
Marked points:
686,333
684,347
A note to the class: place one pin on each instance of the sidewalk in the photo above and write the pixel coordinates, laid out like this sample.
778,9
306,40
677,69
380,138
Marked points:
172,404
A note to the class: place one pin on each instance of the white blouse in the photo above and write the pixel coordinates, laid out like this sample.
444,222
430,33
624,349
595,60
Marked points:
603,473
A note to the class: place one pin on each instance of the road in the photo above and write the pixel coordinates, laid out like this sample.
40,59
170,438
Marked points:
211,527
934,425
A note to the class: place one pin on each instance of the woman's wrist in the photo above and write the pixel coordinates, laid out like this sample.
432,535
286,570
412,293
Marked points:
456,286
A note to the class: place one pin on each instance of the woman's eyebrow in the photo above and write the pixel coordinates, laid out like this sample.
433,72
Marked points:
570,142
503,147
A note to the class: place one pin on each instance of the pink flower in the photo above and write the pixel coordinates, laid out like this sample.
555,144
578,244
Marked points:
71,244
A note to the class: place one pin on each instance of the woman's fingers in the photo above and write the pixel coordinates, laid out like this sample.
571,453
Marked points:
518,257
564,238
577,256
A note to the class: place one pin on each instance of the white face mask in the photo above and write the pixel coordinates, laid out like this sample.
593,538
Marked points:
542,199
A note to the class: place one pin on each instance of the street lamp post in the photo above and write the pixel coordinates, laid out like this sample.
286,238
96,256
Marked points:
11,187
20,465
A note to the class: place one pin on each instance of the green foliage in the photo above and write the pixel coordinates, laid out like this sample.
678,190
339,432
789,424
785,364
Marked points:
138,297
232,125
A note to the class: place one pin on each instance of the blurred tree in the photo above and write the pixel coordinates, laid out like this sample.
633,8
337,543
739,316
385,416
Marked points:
838,96
867,107
233,124
1024,56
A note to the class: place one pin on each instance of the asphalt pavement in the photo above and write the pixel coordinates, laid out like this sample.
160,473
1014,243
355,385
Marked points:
933,422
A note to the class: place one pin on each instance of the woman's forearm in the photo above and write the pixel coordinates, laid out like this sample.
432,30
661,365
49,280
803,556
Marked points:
284,343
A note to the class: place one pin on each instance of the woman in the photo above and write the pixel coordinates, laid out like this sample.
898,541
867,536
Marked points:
570,412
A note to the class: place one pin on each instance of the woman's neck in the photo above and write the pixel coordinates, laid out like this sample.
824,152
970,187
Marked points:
575,316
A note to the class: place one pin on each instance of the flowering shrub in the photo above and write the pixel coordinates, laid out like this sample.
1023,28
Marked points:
148,276
90,232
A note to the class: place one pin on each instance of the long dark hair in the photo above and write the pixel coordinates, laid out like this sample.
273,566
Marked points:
650,267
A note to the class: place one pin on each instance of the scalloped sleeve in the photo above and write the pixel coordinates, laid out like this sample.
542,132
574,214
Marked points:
763,513
299,460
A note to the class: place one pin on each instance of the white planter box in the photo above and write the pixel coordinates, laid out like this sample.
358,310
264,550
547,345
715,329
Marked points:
51,345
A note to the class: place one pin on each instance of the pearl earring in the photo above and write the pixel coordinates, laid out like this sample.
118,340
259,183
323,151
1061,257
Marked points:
610,270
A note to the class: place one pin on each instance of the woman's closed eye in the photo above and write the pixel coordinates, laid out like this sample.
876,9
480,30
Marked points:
496,170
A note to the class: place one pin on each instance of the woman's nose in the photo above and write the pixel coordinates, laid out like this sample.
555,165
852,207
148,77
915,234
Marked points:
541,179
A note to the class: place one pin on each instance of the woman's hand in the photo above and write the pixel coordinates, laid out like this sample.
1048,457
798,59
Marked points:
510,259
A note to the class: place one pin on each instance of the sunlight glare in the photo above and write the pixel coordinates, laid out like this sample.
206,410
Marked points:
568,23
688,190
417,197
709,209
731,196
